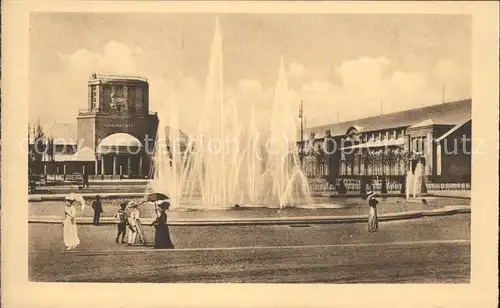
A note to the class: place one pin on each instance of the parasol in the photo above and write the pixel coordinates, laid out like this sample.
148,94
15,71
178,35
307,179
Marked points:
77,198
154,197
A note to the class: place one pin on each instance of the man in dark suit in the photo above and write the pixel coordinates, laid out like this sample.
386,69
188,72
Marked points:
97,206
85,180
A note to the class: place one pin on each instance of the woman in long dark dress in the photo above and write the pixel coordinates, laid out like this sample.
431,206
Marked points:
162,234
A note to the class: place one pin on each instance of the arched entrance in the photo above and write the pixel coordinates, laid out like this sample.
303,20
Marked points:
119,154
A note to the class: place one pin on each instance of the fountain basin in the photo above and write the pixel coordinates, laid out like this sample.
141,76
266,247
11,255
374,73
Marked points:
447,210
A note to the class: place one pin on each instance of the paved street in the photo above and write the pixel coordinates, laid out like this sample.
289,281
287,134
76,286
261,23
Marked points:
426,250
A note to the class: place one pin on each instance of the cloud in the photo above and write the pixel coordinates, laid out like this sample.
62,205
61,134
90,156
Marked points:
363,85
355,90
249,87
65,91
116,57
296,70
454,77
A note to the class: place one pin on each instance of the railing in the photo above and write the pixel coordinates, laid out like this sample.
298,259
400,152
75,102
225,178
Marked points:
109,112
448,186
320,186
115,177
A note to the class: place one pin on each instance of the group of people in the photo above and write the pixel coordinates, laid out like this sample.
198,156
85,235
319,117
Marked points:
132,221
128,222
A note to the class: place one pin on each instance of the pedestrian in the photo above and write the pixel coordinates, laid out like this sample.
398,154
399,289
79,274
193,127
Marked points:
132,223
162,233
372,216
70,234
97,206
85,180
141,238
121,218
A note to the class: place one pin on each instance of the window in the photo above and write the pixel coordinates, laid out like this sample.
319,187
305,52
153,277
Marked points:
418,144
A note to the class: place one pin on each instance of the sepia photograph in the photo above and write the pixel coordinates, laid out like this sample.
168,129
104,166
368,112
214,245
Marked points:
218,140
247,147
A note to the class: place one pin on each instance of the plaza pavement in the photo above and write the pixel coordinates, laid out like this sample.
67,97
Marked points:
424,250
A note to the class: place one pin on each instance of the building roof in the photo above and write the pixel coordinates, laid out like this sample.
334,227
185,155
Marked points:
84,154
63,133
113,76
425,123
449,113
451,131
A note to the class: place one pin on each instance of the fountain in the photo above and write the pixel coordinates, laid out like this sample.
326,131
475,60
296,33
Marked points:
414,181
417,179
229,162
409,183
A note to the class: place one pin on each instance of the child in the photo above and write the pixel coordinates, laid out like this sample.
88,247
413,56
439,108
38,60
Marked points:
121,217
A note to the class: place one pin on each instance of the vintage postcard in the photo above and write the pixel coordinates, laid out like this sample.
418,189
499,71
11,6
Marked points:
249,154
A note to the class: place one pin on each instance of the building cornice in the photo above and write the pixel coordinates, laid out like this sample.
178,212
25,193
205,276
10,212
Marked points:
115,77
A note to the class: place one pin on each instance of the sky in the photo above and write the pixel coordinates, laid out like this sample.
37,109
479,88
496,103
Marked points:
341,66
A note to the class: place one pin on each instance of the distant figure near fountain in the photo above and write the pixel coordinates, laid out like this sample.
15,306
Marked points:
229,173
414,181
417,180
409,184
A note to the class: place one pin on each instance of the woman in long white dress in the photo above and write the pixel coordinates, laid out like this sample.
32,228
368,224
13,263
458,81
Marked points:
141,237
372,216
71,239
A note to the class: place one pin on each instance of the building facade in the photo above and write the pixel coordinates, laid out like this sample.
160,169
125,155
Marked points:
439,137
117,125
114,136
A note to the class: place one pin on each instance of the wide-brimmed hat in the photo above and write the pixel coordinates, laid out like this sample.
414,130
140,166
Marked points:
163,204
75,198
132,204
370,195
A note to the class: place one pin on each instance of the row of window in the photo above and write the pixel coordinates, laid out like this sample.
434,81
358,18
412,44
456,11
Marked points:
380,136
418,144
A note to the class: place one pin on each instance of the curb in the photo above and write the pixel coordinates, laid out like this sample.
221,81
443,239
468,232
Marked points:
85,195
60,197
275,221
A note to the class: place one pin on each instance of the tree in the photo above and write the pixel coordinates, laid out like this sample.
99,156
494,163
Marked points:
390,159
371,162
38,148
404,156
349,159
50,149
319,155
357,162
383,189
377,161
